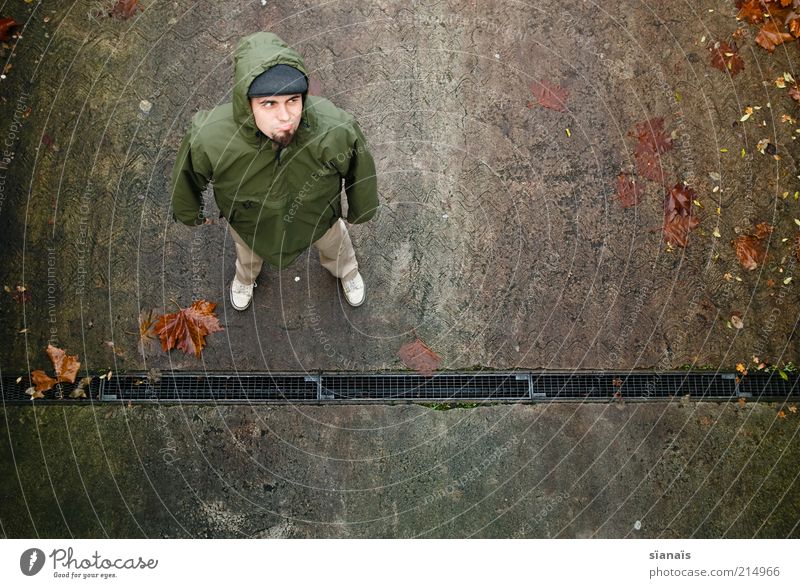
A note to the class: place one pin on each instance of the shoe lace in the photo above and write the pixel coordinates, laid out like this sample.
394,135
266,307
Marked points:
239,288
350,285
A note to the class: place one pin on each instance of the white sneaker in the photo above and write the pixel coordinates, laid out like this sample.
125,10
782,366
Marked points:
354,290
241,294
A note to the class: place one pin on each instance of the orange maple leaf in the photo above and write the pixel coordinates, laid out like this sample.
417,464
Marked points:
66,366
550,95
187,328
629,191
751,10
770,36
41,381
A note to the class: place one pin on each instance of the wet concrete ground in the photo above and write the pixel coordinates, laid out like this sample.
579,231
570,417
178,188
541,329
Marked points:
499,244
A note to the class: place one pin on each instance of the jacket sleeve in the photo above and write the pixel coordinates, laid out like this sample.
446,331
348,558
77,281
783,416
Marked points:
190,176
360,181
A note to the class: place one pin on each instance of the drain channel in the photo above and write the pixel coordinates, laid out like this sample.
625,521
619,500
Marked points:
214,387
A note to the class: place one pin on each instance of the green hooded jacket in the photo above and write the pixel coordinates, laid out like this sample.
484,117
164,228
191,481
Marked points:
279,200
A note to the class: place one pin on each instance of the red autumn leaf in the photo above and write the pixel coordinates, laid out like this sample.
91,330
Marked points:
726,57
648,164
650,135
419,356
679,218
6,25
629,192
751,11
770,36
750,248
124,9
550,95
66,366
187,328
41,381
794,92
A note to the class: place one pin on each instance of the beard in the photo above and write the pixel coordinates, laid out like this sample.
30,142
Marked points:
283,138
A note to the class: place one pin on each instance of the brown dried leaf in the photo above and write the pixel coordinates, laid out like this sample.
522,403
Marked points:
419,356
187,328
726,58
550,95
66,366
794,93
80,390
770,36
34,393
41,381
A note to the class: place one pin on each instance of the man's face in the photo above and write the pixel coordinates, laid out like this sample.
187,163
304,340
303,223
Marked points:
278,116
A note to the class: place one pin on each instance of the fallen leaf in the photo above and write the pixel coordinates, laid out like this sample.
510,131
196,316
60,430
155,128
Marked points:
41,381
187,328
66,366
550,95
651,134
793,409
419,356
781,414
34,393
726,58
741,402
629,192
679,218
146,337
794,92
751,11
123,9
6,26
741,369
737,322
770,36
750,249
80,390
21,294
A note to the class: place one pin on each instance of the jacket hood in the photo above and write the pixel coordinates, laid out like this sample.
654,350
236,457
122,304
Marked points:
254,55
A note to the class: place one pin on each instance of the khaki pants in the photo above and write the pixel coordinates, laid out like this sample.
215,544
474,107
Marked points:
336,254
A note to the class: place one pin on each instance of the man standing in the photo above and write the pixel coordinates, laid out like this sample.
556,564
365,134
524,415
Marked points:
277,159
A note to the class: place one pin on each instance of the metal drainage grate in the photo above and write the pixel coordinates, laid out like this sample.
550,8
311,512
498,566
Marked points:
443,387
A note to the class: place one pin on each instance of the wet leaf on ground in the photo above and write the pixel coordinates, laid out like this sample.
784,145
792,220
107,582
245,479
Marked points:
750,249
629,192
679,217
419,357
726,57
550,95
187,329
